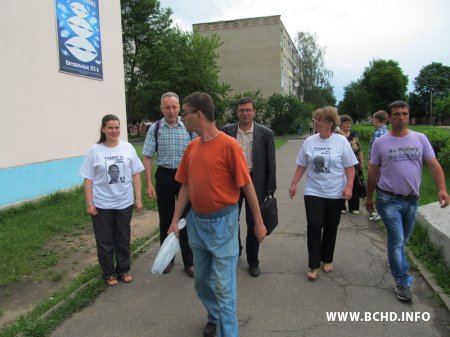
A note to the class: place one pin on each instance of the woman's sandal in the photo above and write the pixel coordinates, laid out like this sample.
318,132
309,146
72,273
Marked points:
313,274
127,278
327,267
111,281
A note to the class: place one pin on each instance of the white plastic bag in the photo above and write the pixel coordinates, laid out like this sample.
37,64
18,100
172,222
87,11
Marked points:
169,248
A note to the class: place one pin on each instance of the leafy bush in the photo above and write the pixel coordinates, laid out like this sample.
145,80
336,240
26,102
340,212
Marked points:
444,156
363,131
439,139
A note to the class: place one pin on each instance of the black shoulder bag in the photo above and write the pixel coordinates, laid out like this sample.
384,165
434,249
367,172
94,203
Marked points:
269,213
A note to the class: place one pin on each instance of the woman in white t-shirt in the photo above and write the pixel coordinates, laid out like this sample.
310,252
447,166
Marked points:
110,170
329,163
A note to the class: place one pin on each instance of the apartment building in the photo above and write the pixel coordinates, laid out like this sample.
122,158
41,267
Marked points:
256,54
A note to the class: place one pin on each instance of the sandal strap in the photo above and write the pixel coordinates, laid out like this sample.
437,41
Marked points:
111,280
126,277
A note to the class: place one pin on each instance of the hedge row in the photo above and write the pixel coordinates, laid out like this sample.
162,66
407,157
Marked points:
439,139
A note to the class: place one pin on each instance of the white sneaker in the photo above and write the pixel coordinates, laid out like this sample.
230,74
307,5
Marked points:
355,212
343,211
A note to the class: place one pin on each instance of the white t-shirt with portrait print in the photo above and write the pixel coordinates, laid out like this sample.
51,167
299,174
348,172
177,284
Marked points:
111,169
325,161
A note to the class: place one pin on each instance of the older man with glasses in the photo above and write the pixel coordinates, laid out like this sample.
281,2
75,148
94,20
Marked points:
212,173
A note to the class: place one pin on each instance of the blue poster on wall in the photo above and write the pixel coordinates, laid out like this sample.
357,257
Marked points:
79,43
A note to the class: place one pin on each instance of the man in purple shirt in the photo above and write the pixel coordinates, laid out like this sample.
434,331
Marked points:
395,170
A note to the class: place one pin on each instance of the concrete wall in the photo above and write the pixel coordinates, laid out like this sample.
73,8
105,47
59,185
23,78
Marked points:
290,62
252,56
49,118
436,221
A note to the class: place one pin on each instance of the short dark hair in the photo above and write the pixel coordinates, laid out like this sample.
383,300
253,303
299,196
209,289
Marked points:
245,100
345,118
105,120
113,166
397,104
201,101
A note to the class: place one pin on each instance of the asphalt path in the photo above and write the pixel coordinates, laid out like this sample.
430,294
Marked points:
281,302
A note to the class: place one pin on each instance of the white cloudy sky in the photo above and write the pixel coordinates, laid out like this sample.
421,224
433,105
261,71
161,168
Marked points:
412,32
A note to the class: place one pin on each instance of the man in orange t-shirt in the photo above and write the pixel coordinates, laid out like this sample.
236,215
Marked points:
212,172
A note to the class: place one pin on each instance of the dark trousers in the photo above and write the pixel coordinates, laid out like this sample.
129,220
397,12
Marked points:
353,203
251,242
112,235
167,189
323,217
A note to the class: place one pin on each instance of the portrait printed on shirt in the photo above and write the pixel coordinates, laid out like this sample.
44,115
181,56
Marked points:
115,172
321,160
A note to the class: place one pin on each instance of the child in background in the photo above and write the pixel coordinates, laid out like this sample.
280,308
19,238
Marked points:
379,122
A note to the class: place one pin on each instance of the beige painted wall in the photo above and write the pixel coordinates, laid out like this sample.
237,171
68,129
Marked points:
256,54
250,58
45,114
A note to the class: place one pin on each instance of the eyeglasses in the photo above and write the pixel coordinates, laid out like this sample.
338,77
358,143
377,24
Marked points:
320,119
241,111
185,113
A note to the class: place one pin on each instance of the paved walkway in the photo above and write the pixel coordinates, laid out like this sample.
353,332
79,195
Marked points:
281,302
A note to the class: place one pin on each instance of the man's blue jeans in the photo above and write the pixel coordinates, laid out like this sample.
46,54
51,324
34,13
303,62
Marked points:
214,241
399,216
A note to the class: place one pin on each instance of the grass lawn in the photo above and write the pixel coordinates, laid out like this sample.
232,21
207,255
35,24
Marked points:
428,190
25,230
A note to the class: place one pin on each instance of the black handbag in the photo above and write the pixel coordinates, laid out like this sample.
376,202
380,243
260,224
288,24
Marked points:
362,185
269,213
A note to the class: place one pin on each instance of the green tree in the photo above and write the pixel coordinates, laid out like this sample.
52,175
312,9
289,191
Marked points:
433,78
432,84
281,113
442,107
322,96
187,62
355,102
419,109
199,70
314,77
144,26
301,113
159,58
384,83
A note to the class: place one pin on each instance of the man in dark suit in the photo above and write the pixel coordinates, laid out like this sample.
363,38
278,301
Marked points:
258,144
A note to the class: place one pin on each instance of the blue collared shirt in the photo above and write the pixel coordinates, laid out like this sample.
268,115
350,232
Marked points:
172,142
381,131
